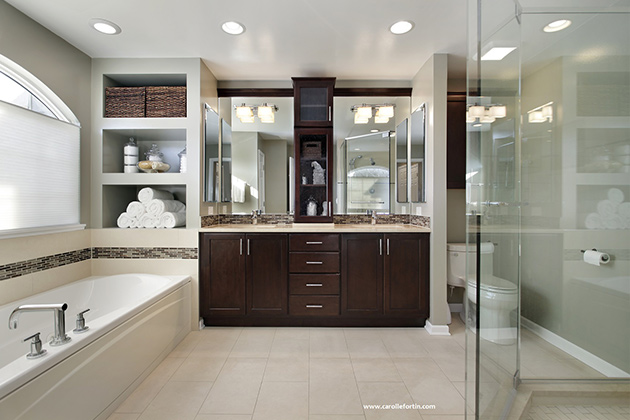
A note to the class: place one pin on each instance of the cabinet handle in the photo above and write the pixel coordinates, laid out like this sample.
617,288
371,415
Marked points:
330,209
248,247
387,246
314,306
314,262
314,243
329,112
241,244
314,284
380,246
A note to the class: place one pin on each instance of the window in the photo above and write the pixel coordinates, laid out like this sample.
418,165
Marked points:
39,157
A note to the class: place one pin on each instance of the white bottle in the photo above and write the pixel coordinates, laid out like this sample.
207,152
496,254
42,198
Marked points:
130,156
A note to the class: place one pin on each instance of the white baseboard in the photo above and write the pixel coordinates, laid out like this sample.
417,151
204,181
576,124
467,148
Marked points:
436,329
456,307
579,353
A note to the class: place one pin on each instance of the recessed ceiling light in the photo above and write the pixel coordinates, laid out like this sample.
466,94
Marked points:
374,131
105,26
233,28
401,27
557,25
497,53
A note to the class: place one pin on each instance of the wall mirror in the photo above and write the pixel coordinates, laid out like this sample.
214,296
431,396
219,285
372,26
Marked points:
257,169
211,154
402,172
417,154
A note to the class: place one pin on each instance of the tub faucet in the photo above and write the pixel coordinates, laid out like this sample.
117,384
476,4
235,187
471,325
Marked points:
59,311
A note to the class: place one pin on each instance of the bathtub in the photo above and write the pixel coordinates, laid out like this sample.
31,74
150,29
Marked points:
134,321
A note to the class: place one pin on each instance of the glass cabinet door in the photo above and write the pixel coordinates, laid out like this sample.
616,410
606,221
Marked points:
313,165
313,101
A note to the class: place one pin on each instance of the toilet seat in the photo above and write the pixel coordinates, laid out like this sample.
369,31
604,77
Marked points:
494,284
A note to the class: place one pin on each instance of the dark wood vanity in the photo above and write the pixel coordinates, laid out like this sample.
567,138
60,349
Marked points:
314,279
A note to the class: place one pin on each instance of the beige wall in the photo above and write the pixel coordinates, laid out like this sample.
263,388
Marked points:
430,87
61,67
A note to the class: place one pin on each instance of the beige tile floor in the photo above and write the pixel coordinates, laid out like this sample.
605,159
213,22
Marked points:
313,374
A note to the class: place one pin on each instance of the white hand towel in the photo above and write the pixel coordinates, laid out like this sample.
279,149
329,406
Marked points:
593,221
238,190
170,220
615,195
624,210
607,209
135,209
157,207
147,194
125,221
614,222
148,222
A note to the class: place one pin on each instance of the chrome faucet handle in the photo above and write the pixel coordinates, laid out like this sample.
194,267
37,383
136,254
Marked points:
36,347
80,326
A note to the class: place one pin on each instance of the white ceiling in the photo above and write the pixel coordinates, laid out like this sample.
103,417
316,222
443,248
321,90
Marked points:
347,39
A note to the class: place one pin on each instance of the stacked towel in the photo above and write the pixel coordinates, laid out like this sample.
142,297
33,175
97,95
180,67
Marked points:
612,213
155,209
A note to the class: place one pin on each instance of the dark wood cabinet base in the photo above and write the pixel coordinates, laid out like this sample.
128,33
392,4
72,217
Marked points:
313,321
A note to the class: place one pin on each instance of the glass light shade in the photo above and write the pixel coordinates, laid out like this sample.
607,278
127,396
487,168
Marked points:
547,112
380,119
385,111
264,111
469,118
364,112
498,111
359,119
267,118
487,119
477,111
244,111
536,117
247,119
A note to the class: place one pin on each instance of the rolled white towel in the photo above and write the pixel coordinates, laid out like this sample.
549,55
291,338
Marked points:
136,209
616,195
157,207
607,208
148,222
593,221
614,222
170,220
624,210
147,194
126,221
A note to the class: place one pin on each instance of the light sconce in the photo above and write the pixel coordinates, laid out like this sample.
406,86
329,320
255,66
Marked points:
541,114
485,114
382,113
265,112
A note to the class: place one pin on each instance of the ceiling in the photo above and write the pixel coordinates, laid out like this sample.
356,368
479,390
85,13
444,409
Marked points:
347,39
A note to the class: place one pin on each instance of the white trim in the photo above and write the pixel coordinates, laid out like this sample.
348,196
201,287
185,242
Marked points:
39,230
579,353
456,307
436,329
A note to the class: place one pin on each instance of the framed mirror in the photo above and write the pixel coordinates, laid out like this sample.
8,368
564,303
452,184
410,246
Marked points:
226,162
402,173
417,154
211,155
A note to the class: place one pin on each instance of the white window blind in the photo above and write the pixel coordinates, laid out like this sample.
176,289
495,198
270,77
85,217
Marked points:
39,171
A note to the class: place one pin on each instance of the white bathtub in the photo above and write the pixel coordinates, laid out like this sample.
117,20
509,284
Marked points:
134,320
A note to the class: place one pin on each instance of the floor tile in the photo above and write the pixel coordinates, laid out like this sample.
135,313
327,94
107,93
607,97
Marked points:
223,417
289,347
295,333
375,370
254,342
367,347
287,370
328,343
203,369
177,400
388,394
124,416
282,401
336,417
332,388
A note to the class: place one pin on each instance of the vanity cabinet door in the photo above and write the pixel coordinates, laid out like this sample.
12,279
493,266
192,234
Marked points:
222,275
313,101
406,282
362,274
267,274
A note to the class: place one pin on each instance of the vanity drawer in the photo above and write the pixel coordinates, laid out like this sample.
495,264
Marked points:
314,284
314,305
314,262
304,242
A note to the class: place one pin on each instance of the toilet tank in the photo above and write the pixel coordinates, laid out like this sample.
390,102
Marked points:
456,262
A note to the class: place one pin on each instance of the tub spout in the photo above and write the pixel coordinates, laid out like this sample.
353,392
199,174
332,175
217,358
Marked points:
59,312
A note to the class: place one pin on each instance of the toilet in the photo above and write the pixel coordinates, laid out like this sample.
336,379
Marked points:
499,297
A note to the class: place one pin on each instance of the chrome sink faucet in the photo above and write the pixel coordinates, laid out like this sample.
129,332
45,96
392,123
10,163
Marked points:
373,217
255,214
59,311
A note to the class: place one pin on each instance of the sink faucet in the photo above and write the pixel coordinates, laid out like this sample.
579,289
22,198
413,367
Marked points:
255,214
59,311
373,217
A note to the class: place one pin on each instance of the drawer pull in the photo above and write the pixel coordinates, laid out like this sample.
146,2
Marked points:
314,284
314,306
314,262
314,242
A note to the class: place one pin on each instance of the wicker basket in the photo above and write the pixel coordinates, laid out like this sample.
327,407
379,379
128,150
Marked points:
312,149
124,102
166,101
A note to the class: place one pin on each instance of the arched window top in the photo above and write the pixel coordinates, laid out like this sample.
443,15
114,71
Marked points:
19,87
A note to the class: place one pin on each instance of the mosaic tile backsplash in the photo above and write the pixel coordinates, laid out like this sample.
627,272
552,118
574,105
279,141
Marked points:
343,219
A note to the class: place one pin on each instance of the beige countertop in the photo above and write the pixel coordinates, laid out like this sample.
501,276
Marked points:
316,228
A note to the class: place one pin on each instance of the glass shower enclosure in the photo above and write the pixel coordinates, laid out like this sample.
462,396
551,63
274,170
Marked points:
548,198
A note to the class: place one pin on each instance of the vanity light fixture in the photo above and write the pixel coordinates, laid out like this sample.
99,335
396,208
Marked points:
265,112
105,26
486,114
381,112
497,53
541,114
401,27
557,25
233,28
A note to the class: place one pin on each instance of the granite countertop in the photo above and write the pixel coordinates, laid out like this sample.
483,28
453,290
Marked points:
316,228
